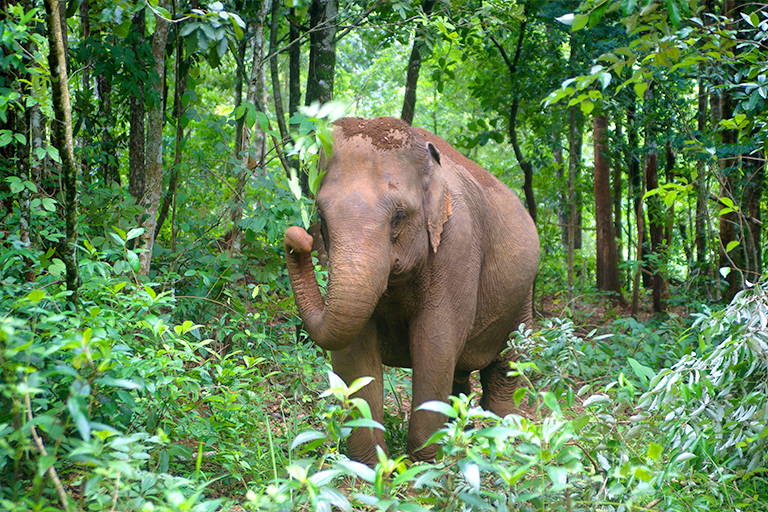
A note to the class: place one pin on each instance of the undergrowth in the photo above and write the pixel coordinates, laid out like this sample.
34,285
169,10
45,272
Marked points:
123,404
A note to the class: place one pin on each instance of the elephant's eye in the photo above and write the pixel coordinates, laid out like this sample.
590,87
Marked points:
397,219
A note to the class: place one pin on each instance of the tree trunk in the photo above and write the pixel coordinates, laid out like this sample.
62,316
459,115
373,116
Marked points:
294,66
607,259
418,51
701,186
753,191
154,158
323,16
525,165
181,74
617,187
638,250
277,94
253,145
62,137
656,221
635,181
574,155
136,136
294,90
728,221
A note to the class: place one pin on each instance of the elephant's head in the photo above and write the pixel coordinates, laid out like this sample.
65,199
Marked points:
383,202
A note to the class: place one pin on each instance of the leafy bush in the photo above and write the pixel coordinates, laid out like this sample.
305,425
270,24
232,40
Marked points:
713,404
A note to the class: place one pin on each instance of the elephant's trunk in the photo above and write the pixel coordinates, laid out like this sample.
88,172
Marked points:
356,281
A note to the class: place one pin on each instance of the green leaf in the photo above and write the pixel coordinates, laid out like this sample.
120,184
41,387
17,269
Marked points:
628,6
654,451
597,14
674,12
409,474
643,474
36,296
133,233
133,260
640,88
519,395
263,121
579,22
558,476
6,137
307,436
471,473
360,384
441,407
53,153
72,7
643,373
732,245
357,469
550,401
81,421
363,423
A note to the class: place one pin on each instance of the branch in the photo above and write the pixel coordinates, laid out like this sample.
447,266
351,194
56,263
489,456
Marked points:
63,497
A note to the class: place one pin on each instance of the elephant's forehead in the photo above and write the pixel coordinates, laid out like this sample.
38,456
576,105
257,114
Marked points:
382,134
371,166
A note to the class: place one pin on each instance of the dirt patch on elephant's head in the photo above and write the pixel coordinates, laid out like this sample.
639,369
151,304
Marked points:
383,133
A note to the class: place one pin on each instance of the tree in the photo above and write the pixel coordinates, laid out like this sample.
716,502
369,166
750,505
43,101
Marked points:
62,139
153,180
323,18
418,52
607,257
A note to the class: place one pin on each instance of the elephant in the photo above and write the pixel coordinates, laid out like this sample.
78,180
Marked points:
431,265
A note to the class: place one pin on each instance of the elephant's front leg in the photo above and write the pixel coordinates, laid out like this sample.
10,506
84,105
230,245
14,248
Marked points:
363,359
434,351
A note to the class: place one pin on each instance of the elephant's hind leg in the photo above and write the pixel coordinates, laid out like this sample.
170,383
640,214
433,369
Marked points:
498,387
461,383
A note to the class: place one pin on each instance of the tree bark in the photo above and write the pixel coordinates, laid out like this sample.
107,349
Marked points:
414,66
607,259
701,185
154,157
181,74
323,16
636,188
62,137
277,95
136,136
728,221
253,145
656,221
617,188
574,160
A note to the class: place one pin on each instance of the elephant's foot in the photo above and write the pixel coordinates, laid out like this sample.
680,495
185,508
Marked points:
498,387
362,443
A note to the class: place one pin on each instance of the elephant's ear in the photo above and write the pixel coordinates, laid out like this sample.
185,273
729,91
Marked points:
438,197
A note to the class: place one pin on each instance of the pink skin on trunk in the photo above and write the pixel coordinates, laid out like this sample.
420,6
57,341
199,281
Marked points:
334,323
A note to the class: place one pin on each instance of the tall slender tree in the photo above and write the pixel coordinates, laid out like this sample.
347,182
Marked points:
418,51
153,181
607,257
62,139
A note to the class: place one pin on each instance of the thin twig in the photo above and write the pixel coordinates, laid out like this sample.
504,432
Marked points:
63,497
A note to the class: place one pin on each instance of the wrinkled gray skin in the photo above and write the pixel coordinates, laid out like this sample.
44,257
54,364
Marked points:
431,266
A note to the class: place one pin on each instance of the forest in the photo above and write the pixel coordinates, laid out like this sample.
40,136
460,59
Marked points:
153,154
